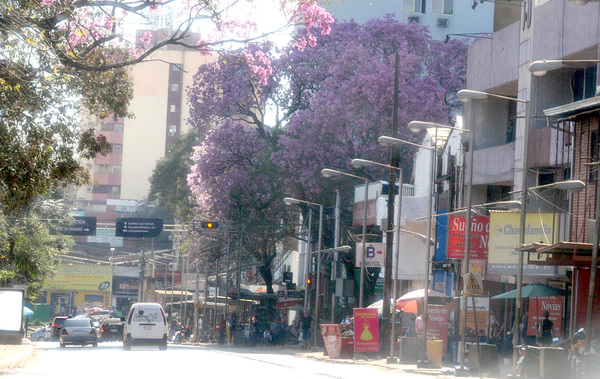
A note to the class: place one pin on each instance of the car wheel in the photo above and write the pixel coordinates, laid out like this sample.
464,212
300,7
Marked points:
62,344
163,346
95,344
126,345
40,339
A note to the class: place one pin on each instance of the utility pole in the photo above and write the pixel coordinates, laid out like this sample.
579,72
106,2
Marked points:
389,239
142,269
196,303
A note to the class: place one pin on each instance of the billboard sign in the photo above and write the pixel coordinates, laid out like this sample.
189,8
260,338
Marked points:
480,235
81,278
504,237
12,310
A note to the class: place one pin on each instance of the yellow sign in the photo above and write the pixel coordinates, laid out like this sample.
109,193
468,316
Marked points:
81,278
504,237
473,284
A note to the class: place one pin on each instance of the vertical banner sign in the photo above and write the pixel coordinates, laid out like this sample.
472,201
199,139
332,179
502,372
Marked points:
482,304
437,324
480,236
538,306
366,330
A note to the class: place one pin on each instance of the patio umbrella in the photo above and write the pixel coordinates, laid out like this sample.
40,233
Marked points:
27,311
379,305
532,290
408,302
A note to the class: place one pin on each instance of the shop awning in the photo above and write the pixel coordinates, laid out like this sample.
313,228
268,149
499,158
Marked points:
575,108
559,254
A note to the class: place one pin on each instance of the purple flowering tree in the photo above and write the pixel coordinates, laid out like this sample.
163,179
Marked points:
328,104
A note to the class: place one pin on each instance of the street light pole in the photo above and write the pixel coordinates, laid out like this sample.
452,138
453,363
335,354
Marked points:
290,201
465,96
358,163
328,173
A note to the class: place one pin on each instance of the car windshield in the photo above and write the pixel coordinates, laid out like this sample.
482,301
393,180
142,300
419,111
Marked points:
149,315
77,322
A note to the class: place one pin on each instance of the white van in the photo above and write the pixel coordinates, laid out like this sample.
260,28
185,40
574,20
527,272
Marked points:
146,324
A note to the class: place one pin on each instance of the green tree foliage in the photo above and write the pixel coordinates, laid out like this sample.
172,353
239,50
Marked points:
168,184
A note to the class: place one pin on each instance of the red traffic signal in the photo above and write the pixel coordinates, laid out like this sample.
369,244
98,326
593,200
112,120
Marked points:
209,225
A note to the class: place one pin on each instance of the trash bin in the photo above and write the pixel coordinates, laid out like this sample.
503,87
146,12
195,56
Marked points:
435,349
332,337
347,347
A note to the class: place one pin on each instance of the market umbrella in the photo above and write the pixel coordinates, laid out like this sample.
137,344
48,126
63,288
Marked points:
408,302
27,311
532,290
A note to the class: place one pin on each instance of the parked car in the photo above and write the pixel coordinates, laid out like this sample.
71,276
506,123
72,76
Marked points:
111,329
39,335
57,325
146,324
100,315
78,331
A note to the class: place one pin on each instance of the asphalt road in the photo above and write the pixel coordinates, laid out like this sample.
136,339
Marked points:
109,360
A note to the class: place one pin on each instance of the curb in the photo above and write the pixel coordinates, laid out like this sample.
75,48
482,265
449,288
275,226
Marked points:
16,361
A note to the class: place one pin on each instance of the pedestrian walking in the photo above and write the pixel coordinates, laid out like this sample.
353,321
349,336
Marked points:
222,325
545,331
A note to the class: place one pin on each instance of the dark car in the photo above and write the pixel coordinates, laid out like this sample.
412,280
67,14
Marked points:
78,331
57,326
111,330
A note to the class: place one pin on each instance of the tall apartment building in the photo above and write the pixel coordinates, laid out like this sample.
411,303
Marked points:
445,18
159,105
562,133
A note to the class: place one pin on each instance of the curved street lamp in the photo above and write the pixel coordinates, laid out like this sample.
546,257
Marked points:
329,173
541,68
292,201
360,163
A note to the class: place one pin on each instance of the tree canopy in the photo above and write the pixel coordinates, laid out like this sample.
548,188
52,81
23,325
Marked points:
319,108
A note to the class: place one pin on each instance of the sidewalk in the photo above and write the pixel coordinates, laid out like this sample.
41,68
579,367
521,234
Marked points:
13,356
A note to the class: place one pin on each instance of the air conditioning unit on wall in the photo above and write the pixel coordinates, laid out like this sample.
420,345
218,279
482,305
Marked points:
442,22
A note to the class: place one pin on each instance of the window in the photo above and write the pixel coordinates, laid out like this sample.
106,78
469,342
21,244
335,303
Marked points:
176,67
116,189
413,6
583,83
445,7
118,149
173,108
118,127
174,87
172,130
116,169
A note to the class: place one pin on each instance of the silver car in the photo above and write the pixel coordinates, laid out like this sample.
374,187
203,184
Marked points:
78,331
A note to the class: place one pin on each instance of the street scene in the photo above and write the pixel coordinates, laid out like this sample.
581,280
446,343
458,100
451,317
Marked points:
300,187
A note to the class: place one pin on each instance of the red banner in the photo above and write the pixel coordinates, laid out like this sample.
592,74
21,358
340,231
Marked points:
366,330
480,236
437,324
538,306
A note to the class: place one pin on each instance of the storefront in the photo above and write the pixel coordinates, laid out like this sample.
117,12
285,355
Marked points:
75,288
125,288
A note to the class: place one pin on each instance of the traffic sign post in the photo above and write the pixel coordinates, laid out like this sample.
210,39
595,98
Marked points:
138,227
81,226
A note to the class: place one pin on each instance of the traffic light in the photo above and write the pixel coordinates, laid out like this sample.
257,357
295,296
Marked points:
209,225
310,281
